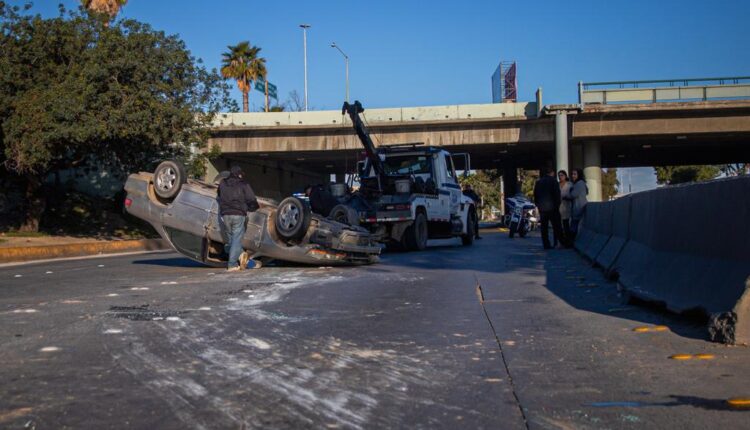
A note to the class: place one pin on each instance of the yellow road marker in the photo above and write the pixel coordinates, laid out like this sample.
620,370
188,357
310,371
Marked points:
660,328
704,356
641,329
681,356
739,402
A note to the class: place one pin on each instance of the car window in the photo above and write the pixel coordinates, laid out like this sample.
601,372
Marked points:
407,164
449,166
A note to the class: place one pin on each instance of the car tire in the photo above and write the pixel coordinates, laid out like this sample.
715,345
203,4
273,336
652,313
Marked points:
292,218
522,231
169,177
221,176
345,215
415,237
471,226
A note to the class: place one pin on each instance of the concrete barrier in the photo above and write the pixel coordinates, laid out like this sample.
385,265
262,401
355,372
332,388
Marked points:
688,247
616,242
596,230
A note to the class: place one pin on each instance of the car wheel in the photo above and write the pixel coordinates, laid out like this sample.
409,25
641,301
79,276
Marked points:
169,177
416,234
344,214
292,218
221,176
471,226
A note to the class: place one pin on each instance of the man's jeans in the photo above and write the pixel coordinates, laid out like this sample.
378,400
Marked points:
233,228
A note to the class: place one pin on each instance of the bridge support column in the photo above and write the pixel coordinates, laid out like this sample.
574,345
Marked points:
576,157
592,169
510,181
561,140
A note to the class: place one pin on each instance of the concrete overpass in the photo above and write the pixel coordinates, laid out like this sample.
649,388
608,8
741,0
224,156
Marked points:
311,145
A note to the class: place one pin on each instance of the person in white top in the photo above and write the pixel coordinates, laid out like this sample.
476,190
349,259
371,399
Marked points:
565,206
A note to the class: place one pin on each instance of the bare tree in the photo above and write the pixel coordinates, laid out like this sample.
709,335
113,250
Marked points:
294,102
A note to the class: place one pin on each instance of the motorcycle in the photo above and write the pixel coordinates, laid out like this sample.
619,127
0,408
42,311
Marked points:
520,216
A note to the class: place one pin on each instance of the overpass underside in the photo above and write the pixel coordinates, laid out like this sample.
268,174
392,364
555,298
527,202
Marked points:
714,132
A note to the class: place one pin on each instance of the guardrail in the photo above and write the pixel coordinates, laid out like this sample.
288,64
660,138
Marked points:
668,90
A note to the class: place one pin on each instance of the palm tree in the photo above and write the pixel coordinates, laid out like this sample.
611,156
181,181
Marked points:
242,64
108,7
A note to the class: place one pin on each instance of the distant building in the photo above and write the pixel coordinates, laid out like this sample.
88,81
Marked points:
505,83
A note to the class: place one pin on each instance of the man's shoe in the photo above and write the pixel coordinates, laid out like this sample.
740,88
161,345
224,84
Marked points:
244,258
257,264
234,269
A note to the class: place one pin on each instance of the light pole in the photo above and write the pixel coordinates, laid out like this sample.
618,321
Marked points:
346,59
304,42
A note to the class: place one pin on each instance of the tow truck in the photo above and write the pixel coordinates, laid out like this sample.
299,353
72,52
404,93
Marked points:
408,193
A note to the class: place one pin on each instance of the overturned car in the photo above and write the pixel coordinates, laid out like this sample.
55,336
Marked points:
185,213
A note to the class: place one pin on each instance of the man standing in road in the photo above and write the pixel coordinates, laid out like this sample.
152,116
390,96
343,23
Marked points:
236,199
547,200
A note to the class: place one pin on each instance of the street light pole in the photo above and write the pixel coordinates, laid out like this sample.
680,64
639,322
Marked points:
304,41
346,60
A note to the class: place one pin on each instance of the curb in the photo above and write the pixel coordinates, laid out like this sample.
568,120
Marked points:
31,253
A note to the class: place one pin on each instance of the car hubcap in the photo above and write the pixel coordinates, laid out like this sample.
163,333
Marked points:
289,217
165,179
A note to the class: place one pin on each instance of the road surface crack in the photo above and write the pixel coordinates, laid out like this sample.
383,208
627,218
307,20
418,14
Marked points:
480,296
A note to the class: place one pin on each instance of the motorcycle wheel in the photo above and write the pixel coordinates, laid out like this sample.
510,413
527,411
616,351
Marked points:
512,229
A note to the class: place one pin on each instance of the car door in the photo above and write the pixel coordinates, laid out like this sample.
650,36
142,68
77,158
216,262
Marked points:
451,185
185,222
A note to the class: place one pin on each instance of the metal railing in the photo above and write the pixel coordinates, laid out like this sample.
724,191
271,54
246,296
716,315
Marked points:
664,90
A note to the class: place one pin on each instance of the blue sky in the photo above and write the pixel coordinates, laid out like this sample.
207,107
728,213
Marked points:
409,53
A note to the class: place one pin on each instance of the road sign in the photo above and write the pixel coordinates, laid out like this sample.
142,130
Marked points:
260,85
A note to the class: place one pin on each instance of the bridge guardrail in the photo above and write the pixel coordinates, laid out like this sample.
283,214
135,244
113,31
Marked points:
686,247
656,91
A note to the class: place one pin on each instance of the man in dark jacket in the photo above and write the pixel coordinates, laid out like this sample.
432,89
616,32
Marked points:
547,200
236,199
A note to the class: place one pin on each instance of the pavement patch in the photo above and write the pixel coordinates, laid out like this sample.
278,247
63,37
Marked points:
142,313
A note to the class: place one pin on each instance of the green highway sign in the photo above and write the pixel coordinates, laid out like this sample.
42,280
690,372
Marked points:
260,85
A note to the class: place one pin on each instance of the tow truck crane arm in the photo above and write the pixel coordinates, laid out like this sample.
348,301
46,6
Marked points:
364,136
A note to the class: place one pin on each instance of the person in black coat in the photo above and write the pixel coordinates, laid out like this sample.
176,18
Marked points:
236,199
547,199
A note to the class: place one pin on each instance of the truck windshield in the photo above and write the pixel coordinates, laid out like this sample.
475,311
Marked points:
406,164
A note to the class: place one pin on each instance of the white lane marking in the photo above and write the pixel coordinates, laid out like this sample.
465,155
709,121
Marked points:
17,276
169,283
113,331
85,257
204,308
49,349
112,295
256,343
25,311
101,265
49,272
139,288
173,318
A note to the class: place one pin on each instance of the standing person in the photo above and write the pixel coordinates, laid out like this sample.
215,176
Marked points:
547,200
565,206
470,193
236,199
578,192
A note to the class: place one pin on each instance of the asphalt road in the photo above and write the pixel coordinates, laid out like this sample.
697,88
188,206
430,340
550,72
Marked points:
155,341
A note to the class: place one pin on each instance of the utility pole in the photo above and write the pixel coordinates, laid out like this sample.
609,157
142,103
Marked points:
266,80
304,42
346,60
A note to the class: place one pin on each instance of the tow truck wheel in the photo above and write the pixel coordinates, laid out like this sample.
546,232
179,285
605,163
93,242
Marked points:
415,236
471,227
292,218
344,214
169,177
